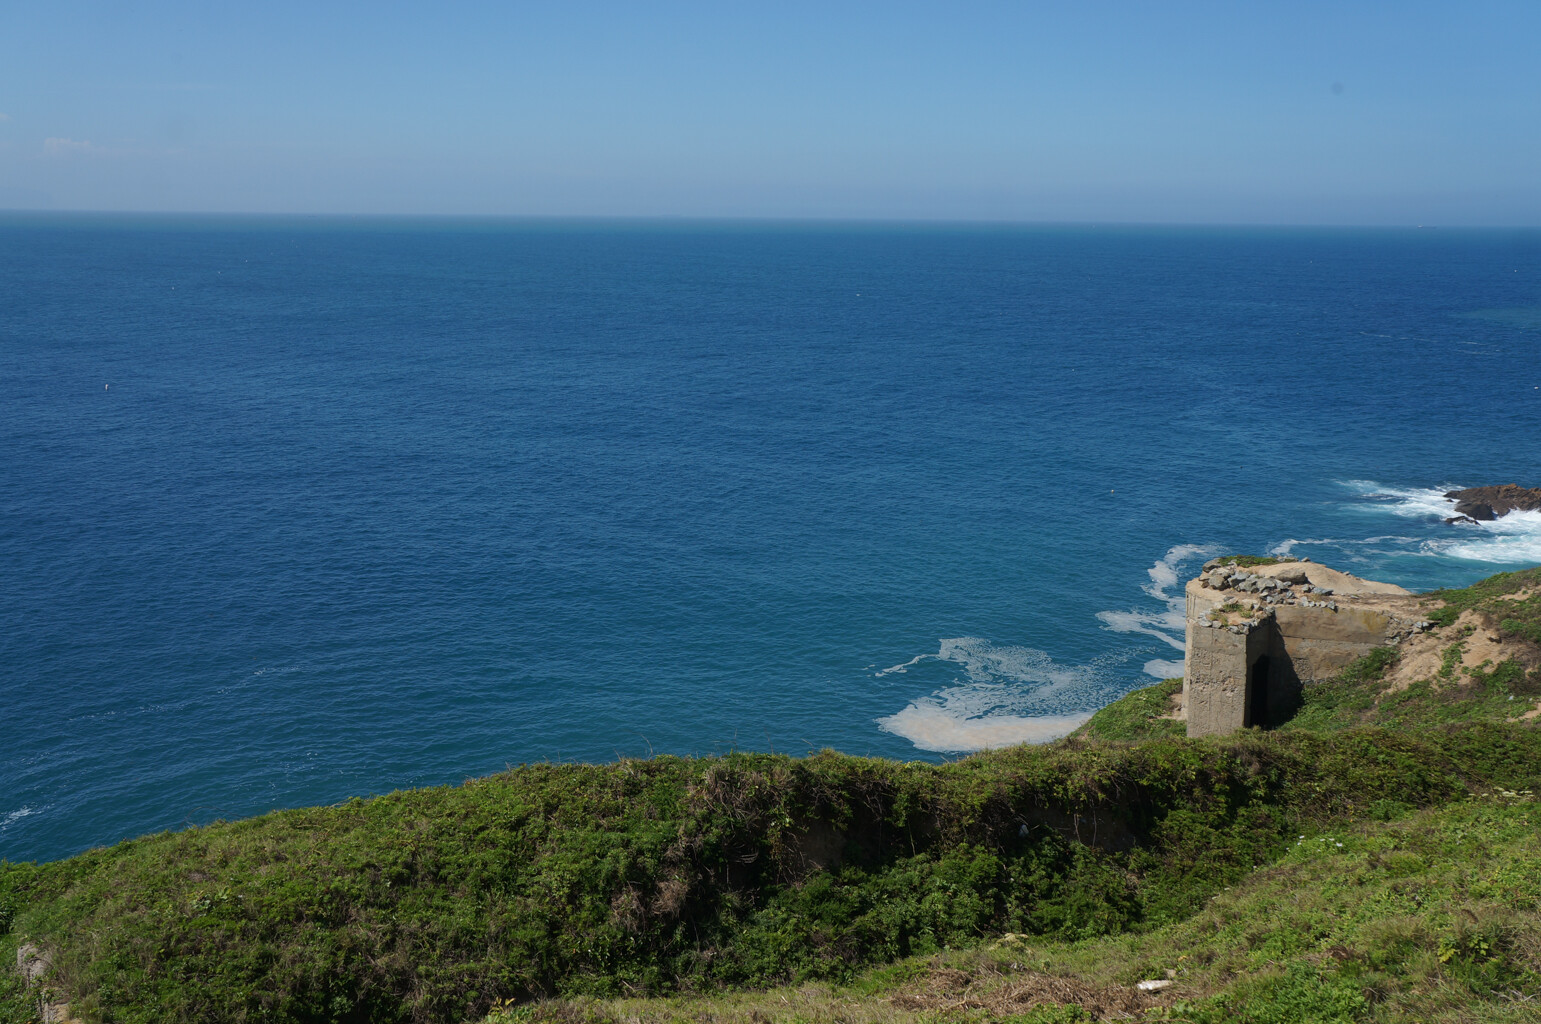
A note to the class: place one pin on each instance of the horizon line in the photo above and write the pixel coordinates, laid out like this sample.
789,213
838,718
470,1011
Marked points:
751,219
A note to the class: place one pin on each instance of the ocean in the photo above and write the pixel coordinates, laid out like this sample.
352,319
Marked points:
298,509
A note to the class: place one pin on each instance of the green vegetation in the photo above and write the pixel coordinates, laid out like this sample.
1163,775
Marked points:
1483,693
698,874
1370,861
1510,602
1453,692
1141,715
1246,561
1431,917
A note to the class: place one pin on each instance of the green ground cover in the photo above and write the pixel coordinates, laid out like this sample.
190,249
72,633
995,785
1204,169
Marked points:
1511,601
1141,715
1247,561
1431,916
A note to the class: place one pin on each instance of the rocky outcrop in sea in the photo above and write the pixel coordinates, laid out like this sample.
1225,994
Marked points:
1484,504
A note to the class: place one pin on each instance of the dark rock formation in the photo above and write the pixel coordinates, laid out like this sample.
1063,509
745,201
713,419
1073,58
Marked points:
1488,503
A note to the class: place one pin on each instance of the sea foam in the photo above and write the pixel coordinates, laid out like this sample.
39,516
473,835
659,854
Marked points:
1513,539
996,688
14,816
1166,622
940,727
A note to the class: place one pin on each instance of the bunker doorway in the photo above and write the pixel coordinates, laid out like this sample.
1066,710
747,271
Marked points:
1257,694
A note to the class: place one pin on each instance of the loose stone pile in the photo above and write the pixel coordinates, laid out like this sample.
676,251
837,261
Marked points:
1401,629
1287,586
1239,627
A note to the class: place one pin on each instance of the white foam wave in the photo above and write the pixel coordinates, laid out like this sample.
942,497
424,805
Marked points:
1510,540
984,662
1166,625
901,669
1164,574
1514,539
999,685
1409,502
1164,669
14,816
1384,538
1284,549
932,726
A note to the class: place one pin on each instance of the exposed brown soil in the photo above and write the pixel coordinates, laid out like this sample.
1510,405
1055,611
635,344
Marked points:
949,991
1423,656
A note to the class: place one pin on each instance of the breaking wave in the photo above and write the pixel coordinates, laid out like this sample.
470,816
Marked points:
1514,539
1166,622
1409,502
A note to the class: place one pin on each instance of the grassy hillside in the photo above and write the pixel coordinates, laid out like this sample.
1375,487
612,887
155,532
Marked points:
1027,884
1430,916
1483,663
1142,715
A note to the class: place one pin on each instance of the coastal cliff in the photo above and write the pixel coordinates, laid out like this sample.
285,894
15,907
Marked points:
1125,872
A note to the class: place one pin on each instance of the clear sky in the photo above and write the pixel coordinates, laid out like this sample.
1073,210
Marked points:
1346,112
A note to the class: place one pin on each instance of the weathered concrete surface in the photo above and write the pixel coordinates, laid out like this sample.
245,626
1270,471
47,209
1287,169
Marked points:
1255,636
1215,694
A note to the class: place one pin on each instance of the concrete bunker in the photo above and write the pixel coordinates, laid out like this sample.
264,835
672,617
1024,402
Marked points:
1257,634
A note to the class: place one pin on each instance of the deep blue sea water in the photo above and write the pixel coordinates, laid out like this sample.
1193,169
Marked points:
293,510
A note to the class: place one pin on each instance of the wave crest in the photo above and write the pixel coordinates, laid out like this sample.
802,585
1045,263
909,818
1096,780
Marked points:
1514,539
1167,624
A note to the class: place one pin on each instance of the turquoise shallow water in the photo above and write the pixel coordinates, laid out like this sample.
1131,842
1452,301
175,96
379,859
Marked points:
294,510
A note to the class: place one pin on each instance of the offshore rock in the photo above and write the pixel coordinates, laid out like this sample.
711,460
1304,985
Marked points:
1488,503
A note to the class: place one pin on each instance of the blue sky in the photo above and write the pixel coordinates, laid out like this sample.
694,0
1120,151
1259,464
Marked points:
1238,112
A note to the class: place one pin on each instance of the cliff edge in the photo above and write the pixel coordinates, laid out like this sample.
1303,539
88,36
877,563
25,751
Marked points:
1258,634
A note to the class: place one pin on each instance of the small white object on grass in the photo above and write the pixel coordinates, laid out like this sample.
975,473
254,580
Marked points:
1154,985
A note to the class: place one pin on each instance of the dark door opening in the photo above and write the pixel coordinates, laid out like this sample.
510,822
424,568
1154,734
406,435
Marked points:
1257,694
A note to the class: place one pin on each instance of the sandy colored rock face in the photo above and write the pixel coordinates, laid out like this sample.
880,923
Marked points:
1346,584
